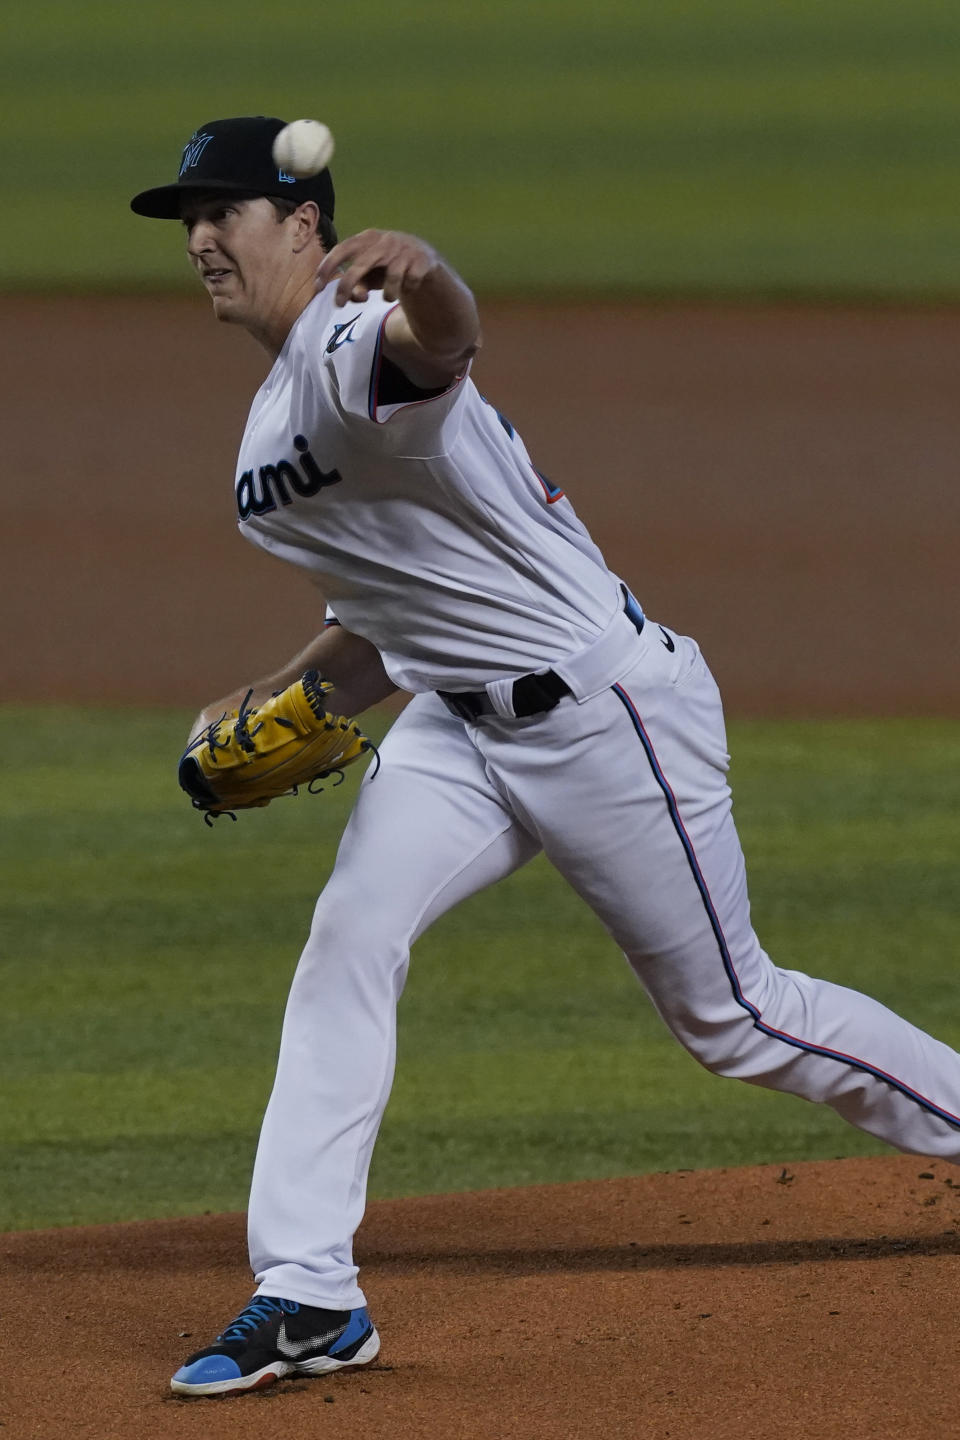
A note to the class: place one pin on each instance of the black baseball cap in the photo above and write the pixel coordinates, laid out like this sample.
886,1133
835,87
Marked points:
234,155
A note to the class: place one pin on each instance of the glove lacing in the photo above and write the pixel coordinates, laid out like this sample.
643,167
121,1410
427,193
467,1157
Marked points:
314,688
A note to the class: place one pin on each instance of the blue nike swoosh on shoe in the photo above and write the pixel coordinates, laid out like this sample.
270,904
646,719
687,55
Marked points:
357,1326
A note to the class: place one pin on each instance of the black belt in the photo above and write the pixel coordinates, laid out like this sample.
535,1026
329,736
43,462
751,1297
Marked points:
532,694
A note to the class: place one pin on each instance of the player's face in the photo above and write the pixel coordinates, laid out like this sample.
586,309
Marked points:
239,250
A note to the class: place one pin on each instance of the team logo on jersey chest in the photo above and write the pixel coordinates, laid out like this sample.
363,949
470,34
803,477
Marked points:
260,491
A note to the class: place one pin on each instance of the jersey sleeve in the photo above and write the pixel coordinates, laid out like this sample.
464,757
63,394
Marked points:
420,421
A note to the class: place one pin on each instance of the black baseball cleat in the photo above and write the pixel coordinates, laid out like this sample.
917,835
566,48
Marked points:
271,1338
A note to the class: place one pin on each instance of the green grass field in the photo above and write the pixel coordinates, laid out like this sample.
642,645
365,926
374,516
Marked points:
803,148
144,961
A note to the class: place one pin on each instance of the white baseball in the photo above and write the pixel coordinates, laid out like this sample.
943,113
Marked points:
303,148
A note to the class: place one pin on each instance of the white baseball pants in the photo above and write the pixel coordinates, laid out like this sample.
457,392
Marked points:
627,795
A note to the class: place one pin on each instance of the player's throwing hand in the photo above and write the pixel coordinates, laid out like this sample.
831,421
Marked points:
384,260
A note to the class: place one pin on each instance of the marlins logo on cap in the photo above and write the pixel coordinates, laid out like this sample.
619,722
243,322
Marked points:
234,155
193,149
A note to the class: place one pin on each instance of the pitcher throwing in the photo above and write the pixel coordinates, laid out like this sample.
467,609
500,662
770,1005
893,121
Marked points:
547,714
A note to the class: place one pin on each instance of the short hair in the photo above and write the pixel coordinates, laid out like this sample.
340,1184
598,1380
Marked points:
325,226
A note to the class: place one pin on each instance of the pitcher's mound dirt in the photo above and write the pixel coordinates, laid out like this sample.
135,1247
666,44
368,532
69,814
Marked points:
816,1300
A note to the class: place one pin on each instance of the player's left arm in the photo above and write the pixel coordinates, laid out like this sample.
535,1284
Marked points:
349,661
435,329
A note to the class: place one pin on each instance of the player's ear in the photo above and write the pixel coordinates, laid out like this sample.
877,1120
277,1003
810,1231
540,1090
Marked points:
306,219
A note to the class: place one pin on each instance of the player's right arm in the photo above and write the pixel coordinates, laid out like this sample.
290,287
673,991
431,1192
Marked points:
350,662
434,330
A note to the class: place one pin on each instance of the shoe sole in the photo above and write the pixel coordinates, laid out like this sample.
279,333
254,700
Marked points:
278,1369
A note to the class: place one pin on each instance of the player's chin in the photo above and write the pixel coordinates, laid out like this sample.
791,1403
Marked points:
227,309
223,294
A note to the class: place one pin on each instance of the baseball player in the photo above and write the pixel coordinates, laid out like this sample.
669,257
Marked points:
548,713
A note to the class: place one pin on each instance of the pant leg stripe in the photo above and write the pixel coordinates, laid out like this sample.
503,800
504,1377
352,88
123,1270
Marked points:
717,929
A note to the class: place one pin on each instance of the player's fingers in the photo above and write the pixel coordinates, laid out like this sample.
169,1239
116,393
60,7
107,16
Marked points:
361,276
393,280
375,260
351,254
333,262
345,250
406,271
419,266
365,266
347,283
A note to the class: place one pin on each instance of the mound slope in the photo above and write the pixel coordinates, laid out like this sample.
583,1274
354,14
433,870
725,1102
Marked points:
814,1300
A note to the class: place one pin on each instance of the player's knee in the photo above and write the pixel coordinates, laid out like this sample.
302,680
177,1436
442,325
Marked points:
732,1050
355,930
354,961
742,1051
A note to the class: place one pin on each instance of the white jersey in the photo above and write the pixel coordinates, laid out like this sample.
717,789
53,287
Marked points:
423,521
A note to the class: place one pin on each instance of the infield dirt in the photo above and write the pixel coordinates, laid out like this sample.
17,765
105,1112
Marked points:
773,1303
